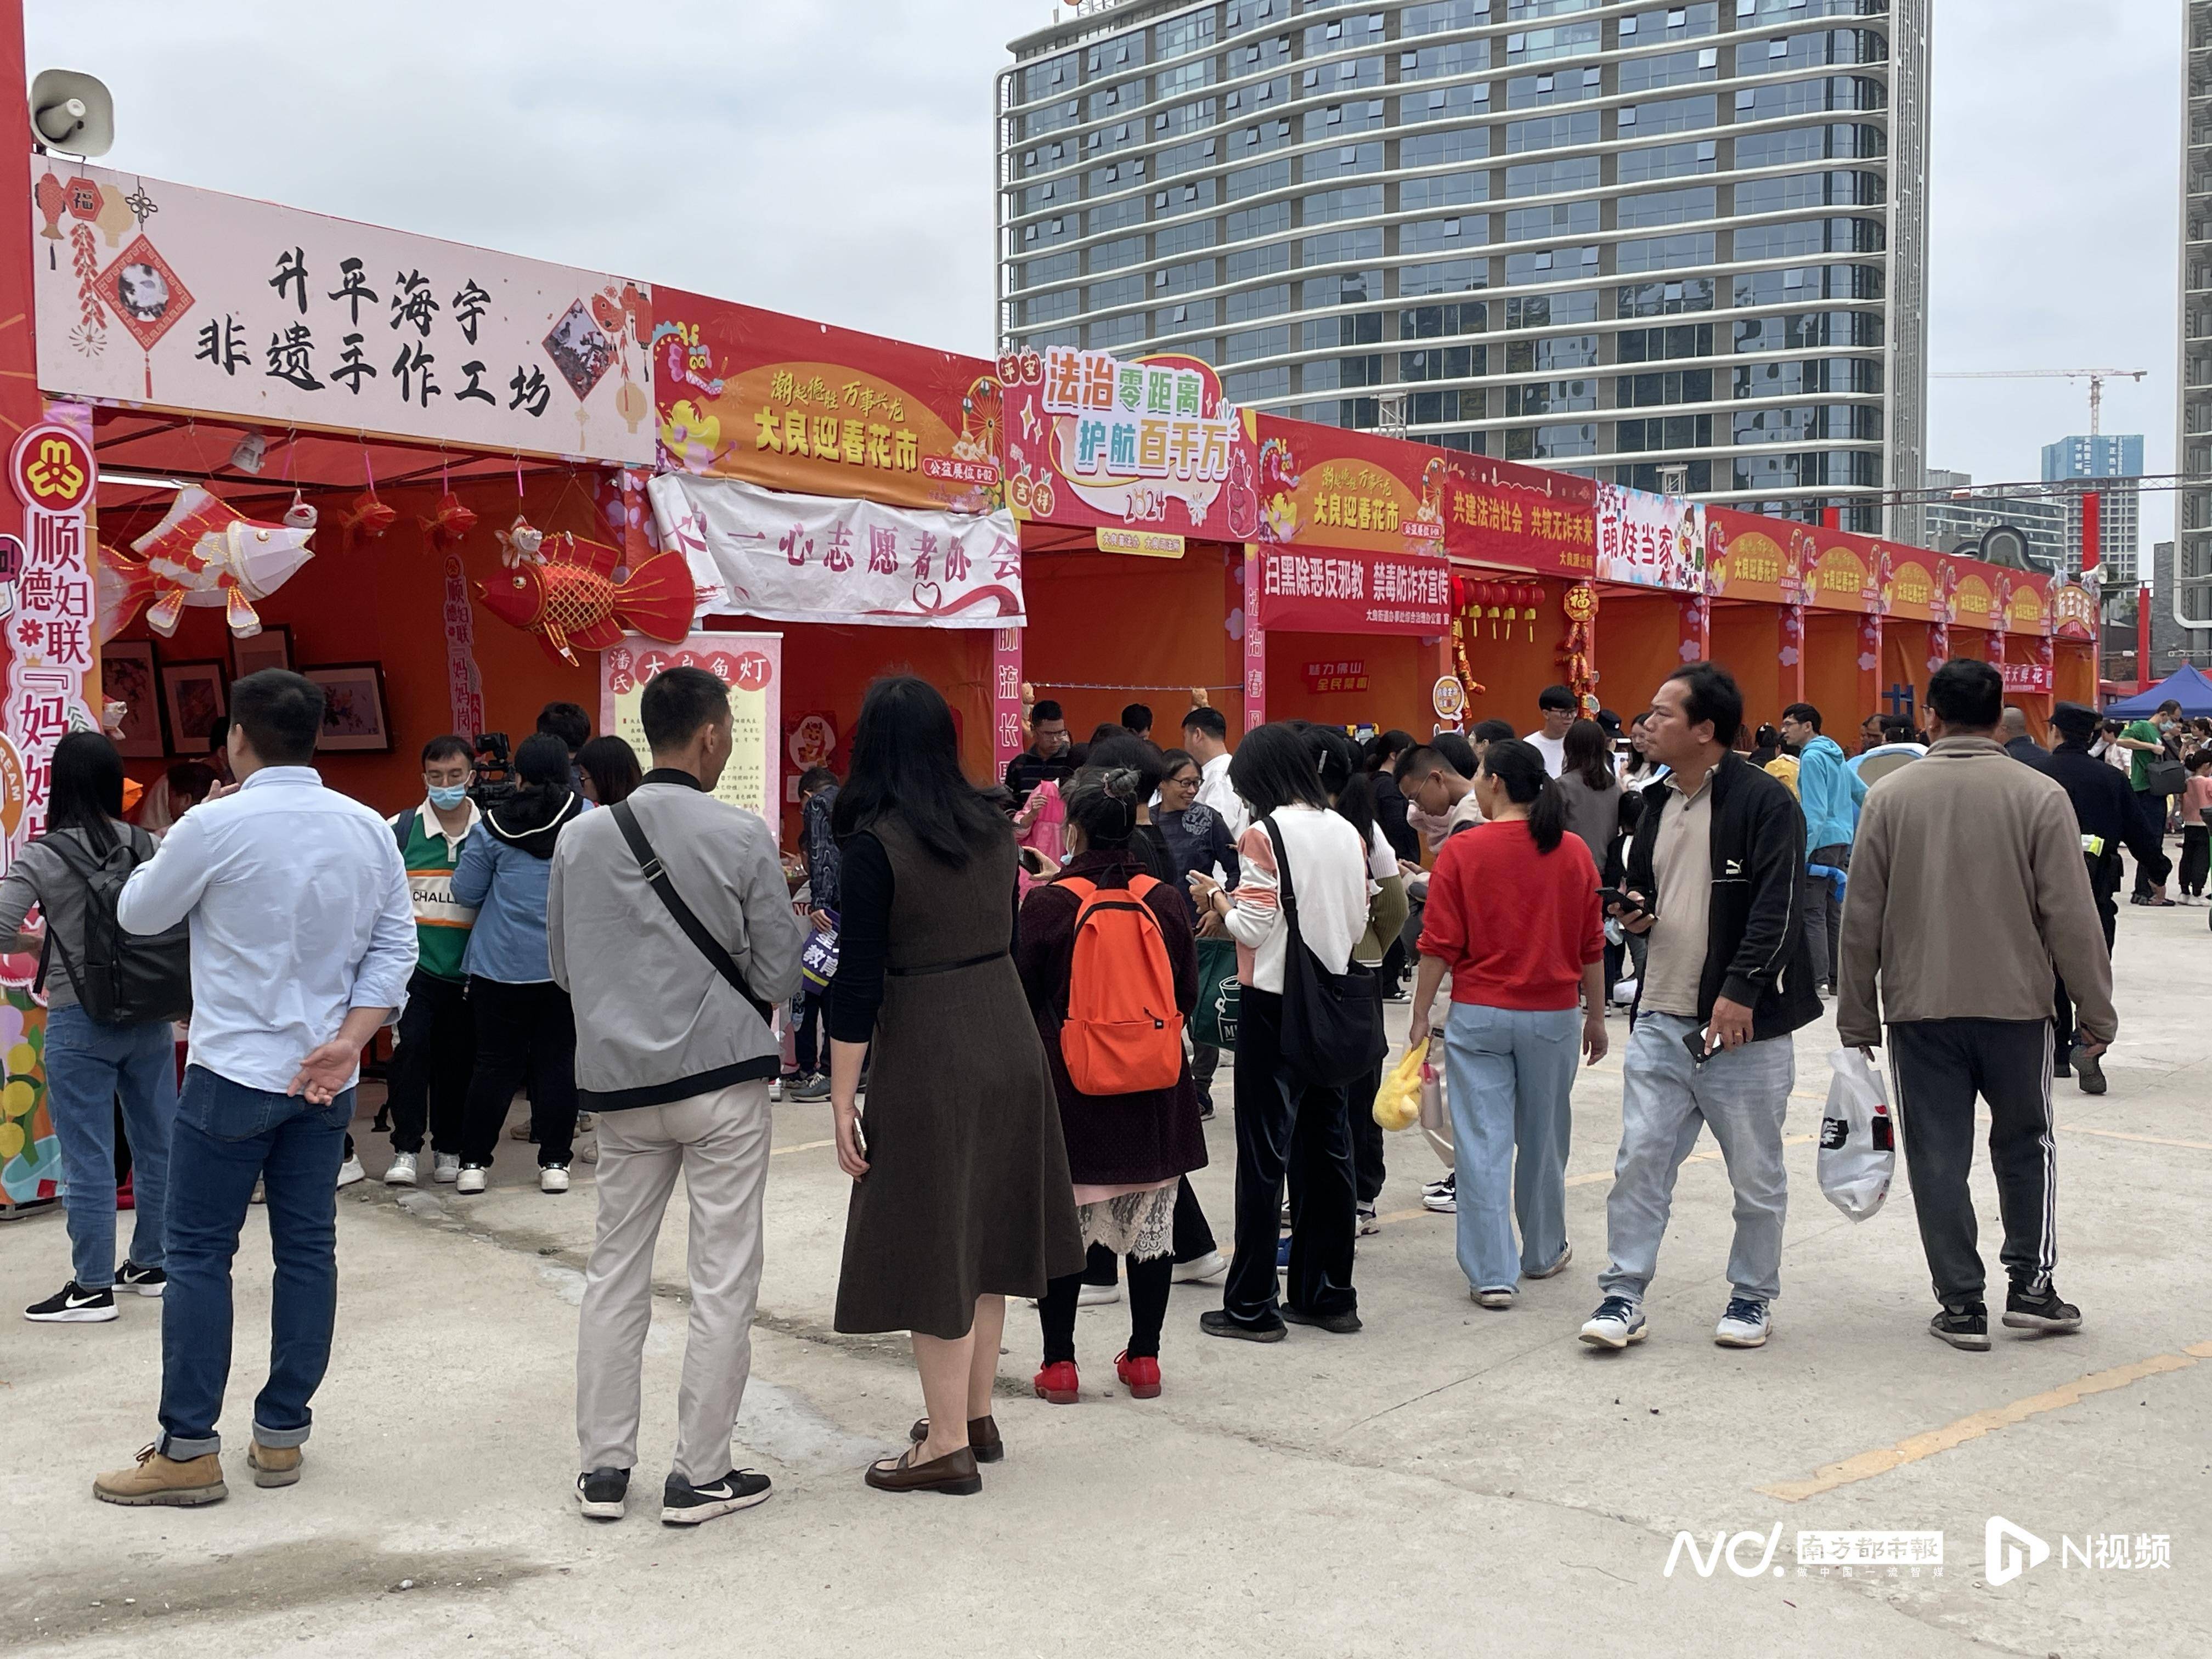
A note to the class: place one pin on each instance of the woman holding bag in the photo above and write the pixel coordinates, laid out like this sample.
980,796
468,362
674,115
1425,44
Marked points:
1514,916
1303,890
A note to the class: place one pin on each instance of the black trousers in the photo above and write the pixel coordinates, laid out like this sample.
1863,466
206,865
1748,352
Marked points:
522,1031
1938,1067
2196,858
2149,874
806,1045
2105,887
1148,1309
1286,1125
432,1064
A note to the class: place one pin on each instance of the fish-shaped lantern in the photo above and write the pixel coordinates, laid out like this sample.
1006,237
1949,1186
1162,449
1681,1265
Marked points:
203,552
370,517
564,591
450,523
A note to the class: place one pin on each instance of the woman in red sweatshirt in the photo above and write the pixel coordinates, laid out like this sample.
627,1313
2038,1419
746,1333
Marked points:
1513,916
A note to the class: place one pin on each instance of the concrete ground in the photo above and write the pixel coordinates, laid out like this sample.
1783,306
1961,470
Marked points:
1451,1480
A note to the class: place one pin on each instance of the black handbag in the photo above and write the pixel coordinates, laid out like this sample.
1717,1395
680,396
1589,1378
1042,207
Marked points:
1332,1023
2166,776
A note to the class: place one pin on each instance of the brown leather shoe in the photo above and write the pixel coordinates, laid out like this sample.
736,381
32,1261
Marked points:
273,1465
954,1473
156,1478
983,1437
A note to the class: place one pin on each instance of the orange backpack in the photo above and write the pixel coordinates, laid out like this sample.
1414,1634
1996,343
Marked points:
1123,1033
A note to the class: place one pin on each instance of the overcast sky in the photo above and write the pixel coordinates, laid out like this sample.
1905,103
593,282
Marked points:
833,158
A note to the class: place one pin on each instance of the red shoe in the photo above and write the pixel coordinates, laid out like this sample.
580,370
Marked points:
1140,1376
1057,1382
125,1199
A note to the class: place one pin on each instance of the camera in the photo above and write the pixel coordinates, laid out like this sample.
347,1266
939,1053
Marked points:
494,764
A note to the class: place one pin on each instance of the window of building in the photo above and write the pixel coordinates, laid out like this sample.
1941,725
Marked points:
1552,131
1665,299
1667,161
1558,219
1441,14
1441,191
1664,207
1557,264
1651,345
1253,303
1661,115
1443,276
1550,310
1553,178
1546,443
1256,386
1428,150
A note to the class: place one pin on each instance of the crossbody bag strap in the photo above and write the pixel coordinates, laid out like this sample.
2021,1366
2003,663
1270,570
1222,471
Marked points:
1289,895
656,876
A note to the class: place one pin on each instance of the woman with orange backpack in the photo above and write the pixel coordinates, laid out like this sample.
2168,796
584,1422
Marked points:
1106,956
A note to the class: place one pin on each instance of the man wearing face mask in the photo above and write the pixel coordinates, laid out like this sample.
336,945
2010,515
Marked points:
437,1043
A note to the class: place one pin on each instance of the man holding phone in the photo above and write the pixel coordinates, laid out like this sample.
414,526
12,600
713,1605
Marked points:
1715,881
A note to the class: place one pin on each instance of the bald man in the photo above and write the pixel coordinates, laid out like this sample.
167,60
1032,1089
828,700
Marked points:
2012,732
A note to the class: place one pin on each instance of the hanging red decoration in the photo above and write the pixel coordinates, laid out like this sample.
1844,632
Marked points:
1579,602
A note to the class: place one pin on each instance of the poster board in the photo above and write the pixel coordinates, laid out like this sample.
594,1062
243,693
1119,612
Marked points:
750,665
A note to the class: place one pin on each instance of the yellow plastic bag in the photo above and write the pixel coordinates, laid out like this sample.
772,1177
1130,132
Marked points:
1398,1101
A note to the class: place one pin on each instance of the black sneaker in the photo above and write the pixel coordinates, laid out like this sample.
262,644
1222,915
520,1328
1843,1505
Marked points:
73,1304
2044,1312
683,1504
1964,1327
1215,1322
146,1281
601,1493
1204,1107
2089,1073
1346,1323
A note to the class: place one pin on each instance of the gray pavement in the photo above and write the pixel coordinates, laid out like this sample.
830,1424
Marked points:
1451,1480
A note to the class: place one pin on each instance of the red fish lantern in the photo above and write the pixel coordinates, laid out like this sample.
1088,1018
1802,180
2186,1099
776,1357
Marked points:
564,591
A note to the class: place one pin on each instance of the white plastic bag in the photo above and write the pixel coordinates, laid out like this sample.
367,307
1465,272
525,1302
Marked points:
1859,1138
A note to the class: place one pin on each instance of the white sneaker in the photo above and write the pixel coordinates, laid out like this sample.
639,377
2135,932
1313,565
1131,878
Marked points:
1199,1269
1744,1325
470,1179
586,1121
403,1172
1496,1296
1097,1296
775,1089
351,1171
553,1178
1617,1322
444,1166
1443,1197
1366,1220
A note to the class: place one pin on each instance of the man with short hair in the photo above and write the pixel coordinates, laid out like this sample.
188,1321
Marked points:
1716,879
1830,792
303,943
1047,756
1968,892
1558,708
436,1048
1870,735
675,1058
2105,812
1137,719
2144,740
1206,736
2013,733
1439,789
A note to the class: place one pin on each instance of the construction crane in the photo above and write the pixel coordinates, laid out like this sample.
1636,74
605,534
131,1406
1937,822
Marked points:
2095,377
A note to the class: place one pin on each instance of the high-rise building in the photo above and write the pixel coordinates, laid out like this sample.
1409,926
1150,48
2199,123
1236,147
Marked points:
1956,516
2110,464
2192,505
1674,246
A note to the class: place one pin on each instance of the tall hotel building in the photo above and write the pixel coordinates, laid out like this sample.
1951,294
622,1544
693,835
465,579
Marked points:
1679,247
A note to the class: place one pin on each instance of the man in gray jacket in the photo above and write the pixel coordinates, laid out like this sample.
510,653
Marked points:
1967,890
675,1058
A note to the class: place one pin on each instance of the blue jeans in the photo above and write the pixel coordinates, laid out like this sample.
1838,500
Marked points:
227,1135
1666,1098
1511,1073
89,1065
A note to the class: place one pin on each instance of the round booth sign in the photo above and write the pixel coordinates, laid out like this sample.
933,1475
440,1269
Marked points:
50,468
1448,698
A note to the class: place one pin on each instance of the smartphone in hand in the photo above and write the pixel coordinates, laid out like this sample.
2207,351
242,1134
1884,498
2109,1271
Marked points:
1609,896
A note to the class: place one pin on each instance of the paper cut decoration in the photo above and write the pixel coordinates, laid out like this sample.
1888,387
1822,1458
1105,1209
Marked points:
204,552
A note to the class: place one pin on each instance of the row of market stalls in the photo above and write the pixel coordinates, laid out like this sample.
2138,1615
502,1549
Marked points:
452,485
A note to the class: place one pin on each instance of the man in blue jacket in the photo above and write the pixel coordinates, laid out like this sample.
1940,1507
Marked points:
1831,793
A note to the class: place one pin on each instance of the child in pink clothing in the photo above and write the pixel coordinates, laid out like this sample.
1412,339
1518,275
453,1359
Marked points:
2196,828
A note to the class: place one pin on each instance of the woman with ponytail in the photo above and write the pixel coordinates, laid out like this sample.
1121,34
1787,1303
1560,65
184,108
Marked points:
1127,1152
1513,916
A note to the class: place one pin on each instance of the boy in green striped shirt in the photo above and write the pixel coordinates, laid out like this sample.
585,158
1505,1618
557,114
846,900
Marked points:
437,1043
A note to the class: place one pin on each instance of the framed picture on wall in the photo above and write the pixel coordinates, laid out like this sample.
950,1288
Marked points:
197,695
270,648
128,675
354,721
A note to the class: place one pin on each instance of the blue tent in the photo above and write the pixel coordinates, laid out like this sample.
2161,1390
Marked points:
2187,686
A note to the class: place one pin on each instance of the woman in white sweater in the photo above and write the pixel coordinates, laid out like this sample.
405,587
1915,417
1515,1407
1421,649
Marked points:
1282,1117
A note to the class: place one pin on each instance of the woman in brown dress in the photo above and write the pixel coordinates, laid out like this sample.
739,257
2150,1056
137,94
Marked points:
961,1194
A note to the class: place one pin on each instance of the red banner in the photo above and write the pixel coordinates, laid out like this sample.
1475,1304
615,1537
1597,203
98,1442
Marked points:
1525,517
1341,591
804,408
1749,556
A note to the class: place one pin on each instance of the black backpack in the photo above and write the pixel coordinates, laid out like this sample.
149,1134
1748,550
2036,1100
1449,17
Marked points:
1332,1023
125,978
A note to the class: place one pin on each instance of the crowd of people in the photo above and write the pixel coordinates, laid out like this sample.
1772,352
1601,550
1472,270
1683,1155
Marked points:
651,966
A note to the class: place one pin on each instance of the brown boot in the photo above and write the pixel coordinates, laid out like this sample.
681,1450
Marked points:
273,1465
158,1480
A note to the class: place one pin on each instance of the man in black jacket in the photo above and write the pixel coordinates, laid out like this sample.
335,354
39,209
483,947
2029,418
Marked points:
2105,807
1715,879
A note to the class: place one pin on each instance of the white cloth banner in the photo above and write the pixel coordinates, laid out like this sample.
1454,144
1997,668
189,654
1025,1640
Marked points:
784,557
1653,541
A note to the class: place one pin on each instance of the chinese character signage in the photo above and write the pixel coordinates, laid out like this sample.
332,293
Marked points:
1336,674
1322,486
750,665
759,552
1751,557
794,405
191,299
1522,517
1329,591
1152,443
1650,541
2073,612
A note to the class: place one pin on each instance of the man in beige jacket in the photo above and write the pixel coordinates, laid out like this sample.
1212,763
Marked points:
1967,890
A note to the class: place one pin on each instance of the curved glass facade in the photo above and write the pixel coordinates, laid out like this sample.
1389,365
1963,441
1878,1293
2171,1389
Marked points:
1672,246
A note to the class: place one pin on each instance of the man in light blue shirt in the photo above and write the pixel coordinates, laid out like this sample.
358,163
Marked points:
303,940
1831,792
